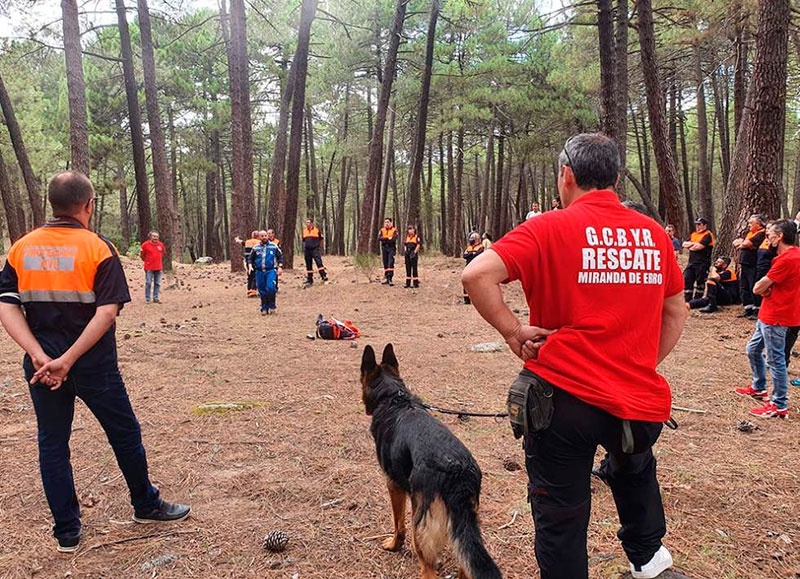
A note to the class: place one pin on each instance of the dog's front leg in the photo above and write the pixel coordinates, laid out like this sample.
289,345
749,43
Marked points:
398,498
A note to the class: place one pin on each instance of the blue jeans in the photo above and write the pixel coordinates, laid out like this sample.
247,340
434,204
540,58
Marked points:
154,278
773,340
267,284
106,397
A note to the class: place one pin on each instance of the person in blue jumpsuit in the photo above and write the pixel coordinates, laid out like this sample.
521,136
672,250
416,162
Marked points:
266,259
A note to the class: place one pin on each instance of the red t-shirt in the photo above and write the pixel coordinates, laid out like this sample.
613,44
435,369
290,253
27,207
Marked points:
152,254
782,306
598,273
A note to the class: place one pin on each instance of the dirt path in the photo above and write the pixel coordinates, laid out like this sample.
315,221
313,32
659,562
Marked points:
303,461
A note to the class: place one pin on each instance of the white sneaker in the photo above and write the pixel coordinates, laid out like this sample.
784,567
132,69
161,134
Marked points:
660,562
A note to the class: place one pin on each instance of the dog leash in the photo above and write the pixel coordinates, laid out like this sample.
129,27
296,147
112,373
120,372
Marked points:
463,413
672,424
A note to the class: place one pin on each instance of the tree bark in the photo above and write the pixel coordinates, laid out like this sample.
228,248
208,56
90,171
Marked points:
277,188
740,66
135,121
451,194
76,87
166,215
766,132
388,160
124,221
687,190
608,93
497,209
458,218
31,183
621,86
443,237
704,175
307,12
721,115
16,227
422,120
667,170
312,162
371,186
242,197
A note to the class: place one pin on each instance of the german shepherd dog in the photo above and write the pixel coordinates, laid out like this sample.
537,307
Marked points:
423,459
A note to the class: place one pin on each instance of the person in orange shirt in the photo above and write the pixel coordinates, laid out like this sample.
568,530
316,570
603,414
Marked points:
312,244
247,247
748,261
388,238
72,287
700,246
411,247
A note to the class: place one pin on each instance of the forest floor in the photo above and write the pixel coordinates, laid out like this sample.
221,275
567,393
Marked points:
302,459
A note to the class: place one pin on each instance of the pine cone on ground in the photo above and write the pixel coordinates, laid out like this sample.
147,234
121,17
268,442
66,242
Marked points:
275,541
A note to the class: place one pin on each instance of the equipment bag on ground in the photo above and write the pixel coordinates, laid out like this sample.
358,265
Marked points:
333,329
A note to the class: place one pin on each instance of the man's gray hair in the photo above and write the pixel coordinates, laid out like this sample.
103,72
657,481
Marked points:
593,159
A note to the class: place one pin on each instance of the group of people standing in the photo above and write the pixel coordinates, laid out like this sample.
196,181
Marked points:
768,287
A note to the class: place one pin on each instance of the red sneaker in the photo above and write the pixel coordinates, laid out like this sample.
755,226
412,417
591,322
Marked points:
769,410
749,391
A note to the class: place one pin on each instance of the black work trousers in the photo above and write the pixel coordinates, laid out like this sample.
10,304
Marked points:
694,280
559,464
313,254
412,269
387,254
747,279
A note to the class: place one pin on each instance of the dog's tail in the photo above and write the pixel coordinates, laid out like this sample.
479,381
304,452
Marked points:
466,536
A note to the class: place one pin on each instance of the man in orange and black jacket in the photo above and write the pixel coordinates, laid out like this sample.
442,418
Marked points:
71,285
721,288
388,238
700,246
312,244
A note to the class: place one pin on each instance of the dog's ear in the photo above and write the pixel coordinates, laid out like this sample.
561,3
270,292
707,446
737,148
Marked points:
389,358
368,362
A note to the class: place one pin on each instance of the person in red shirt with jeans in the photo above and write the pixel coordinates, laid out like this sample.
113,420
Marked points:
604,282
779,312
152,253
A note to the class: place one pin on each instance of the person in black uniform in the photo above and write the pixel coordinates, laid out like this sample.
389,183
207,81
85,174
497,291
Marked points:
71,285
388,238
700,246
412,245
764,256
721,288
748,257
312,242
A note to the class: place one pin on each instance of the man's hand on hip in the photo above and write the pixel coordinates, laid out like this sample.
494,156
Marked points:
526,341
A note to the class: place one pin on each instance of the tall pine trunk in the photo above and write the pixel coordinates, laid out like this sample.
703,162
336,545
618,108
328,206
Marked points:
608,93
667,170
766,132
704,175
242,198
135,121
166,216
621,86
277,183
422,120
307,11
31,184
373,178
16,227
76,87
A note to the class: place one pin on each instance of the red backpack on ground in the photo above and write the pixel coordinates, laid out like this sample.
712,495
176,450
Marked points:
333,329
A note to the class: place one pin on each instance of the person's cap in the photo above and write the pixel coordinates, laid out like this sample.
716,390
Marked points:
701,221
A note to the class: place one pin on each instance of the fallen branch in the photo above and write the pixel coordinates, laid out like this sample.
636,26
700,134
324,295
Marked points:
375,537
139,538
513,520
692,410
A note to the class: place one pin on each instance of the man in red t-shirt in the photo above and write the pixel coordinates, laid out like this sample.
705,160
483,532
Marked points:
779,312
604,281
152,253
